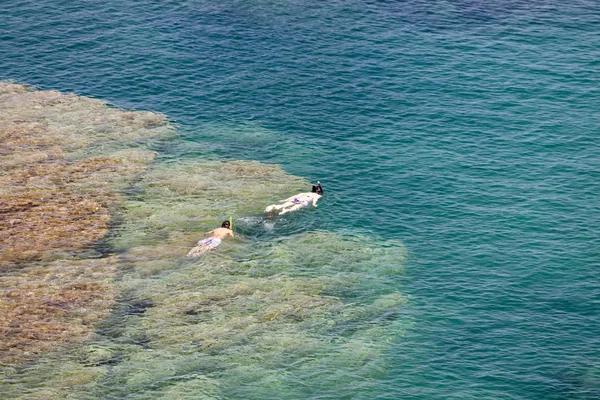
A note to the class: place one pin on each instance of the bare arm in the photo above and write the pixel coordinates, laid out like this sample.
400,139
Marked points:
314,201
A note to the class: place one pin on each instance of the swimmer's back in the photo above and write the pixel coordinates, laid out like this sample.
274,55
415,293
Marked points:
221,233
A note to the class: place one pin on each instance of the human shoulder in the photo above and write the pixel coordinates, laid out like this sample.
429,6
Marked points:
223,232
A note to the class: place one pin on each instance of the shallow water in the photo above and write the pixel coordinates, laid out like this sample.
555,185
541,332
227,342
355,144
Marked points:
463,131
286,302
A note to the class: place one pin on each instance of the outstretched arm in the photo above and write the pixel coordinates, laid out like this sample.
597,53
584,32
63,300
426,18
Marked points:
314,201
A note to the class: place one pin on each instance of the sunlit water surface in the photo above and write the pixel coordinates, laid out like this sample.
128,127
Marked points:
459,134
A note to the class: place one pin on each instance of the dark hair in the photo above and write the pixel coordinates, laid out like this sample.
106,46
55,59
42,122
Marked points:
318,189
225,224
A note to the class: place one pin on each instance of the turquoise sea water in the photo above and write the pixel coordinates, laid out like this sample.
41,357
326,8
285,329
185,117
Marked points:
467,131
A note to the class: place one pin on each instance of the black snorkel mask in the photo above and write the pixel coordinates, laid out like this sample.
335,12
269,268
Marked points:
318,189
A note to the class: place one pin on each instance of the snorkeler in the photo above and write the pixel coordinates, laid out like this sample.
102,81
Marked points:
213,240
298,201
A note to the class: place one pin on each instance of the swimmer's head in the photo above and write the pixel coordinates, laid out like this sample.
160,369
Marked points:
225,224
318,189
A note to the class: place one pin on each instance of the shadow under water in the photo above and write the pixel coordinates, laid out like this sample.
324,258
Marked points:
263,316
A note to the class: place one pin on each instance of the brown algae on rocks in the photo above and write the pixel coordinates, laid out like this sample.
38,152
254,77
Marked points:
63,161
48,304
315,306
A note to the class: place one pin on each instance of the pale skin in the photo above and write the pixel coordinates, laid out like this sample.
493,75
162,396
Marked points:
219,233
295,203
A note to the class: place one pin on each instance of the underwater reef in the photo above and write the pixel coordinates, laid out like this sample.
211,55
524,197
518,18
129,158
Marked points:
98,300
63,161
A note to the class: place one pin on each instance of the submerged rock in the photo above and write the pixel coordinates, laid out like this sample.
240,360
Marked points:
270,312
48,304
63,161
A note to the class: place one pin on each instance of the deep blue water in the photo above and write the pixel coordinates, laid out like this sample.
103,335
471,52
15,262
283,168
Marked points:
468,130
